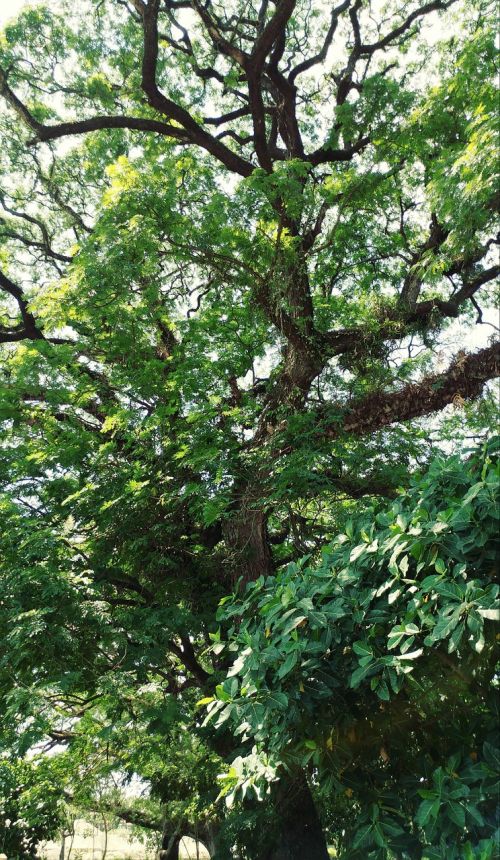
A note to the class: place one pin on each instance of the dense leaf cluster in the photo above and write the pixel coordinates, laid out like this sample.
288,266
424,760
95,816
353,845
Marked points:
378,667
31,808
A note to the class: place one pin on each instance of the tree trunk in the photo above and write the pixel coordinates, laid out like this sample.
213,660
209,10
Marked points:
170,844
245,533
209,834
105,849
218,850
299,834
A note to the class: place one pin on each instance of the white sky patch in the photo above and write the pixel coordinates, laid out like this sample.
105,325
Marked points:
10,8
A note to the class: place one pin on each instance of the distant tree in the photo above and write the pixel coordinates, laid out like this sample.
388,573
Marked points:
240,246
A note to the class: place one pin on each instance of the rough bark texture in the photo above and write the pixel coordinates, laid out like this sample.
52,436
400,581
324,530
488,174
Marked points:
463,380
300,834
247,539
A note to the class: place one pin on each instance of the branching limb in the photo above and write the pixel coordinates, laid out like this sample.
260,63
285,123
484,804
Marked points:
463,380
322,54
29,329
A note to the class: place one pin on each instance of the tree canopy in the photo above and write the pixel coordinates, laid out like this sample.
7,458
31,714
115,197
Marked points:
247,473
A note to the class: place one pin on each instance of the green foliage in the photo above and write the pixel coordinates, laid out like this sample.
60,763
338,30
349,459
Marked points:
31,810
175,385
377,666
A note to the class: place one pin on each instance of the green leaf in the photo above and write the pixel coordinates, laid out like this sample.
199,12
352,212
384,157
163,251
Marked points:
362,837
279,699
383,691
362,649
491,756
359,674
440,566
455,637
475,814
357,552
288,665
456,812
472,493
293,624
221,693
427,811
411,655
205,701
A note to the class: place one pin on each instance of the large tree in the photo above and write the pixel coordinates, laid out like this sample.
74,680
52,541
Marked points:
240,245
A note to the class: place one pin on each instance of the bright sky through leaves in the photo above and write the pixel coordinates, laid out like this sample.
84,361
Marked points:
247,464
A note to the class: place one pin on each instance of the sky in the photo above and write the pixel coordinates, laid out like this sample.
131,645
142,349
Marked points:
9,8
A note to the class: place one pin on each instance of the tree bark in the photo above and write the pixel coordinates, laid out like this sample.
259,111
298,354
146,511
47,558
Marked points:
299,834
210,837
247,539
170,845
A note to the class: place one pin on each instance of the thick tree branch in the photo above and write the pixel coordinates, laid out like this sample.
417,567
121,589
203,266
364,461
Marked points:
44,245
451,307
327,154
271,32
138,817
214,30
30,329
194,132
399,324
413,281
187,656
464,380
53,132
33,244
188,131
